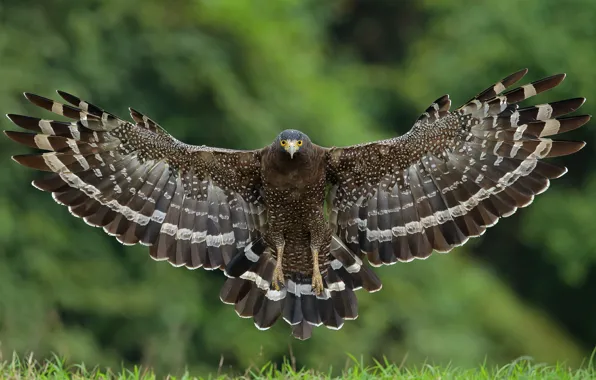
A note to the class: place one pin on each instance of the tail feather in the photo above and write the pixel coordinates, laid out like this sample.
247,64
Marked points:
243,261
251,303
310,308
292,309
232,289
268,313
330,316
302,330
346,304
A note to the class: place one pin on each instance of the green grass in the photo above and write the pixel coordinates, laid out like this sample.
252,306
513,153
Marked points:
523,368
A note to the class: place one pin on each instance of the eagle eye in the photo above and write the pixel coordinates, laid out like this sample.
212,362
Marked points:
283,142
299,143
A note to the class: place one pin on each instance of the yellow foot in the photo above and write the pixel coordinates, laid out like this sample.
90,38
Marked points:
278,277
317,282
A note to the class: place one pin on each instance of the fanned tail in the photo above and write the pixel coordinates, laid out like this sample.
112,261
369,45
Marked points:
253,296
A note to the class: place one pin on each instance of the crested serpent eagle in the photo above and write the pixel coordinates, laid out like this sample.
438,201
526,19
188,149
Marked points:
291,224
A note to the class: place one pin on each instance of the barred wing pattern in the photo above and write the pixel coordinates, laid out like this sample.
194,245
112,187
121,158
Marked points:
194,205
452,175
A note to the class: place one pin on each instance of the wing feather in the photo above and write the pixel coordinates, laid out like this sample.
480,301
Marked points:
452,175
194,205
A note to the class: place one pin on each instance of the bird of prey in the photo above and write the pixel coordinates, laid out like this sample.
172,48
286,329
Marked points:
295,225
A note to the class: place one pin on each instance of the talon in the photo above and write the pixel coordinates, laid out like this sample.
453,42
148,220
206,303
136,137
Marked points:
278,277
317,283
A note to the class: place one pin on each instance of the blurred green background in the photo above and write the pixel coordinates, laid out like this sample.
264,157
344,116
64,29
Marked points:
235,73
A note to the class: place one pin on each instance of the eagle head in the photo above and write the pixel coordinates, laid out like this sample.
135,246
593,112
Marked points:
291,141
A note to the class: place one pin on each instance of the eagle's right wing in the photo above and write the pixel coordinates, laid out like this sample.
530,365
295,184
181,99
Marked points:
194,205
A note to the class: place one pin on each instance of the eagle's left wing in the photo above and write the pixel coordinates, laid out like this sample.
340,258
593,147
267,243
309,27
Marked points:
452,175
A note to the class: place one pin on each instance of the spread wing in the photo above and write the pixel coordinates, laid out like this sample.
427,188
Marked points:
194,205
452,175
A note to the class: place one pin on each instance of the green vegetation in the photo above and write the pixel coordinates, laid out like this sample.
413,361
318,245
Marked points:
234,73
522,368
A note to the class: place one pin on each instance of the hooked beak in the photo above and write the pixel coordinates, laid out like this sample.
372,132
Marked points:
292,148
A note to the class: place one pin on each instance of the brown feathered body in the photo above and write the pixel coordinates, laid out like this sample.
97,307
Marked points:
294,189
455,174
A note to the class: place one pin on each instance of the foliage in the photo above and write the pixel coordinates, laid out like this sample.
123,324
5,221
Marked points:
234,73
521,368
